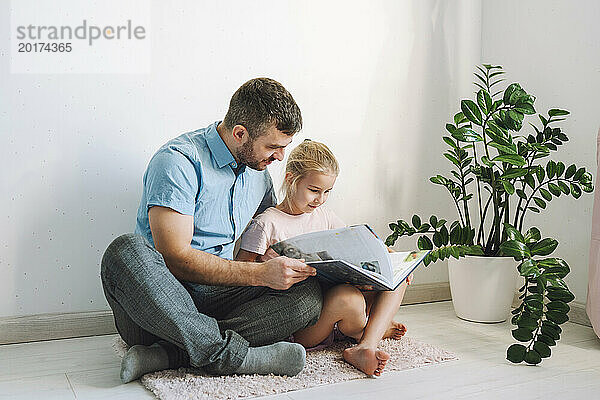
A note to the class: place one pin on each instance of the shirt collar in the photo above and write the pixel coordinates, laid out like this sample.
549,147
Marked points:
218,149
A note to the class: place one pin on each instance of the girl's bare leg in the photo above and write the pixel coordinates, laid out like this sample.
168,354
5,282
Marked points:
395,329
342,304
365,355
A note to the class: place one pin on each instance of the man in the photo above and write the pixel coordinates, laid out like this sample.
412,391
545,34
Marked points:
177,297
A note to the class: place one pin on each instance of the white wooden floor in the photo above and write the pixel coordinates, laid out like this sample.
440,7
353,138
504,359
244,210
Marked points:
87,368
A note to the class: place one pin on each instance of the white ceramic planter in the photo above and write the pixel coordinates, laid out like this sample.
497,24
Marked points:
482,288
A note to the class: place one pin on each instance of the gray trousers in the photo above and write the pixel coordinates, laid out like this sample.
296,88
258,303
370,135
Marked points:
208,327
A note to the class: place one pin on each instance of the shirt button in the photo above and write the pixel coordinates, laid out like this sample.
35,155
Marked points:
233,165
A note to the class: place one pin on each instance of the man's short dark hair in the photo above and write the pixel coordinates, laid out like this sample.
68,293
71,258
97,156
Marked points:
260,103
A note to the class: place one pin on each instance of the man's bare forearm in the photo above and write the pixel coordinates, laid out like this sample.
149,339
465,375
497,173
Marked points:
198,266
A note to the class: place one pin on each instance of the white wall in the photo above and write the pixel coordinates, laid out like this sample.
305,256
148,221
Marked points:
552,48
376,80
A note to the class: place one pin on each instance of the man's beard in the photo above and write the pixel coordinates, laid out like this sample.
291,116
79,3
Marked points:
247,157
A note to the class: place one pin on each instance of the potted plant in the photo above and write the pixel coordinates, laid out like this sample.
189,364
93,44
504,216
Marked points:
500,175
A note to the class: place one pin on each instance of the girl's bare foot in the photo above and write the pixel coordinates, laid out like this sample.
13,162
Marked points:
368,360
395,331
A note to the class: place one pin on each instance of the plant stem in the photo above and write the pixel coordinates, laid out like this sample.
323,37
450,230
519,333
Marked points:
531,197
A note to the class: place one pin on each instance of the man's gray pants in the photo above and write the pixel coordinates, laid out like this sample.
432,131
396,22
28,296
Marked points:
208,327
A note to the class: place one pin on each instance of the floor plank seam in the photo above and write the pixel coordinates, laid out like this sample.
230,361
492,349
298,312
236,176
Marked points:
71,386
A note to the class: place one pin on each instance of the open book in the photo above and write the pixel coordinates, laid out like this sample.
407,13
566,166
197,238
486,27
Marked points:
352,255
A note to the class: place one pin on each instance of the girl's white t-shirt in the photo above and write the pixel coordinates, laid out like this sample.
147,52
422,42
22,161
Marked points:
274,225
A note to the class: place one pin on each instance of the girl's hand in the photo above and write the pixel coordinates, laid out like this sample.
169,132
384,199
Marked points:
268,255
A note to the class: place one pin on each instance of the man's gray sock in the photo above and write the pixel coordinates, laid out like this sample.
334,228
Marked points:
280,358
140,360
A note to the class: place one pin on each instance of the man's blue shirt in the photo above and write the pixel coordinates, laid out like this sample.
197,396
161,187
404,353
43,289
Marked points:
196,174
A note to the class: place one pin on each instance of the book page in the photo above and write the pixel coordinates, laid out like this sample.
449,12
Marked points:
405,262
356,245
338,271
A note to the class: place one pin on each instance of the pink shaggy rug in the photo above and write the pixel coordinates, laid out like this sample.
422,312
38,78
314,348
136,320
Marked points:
323,367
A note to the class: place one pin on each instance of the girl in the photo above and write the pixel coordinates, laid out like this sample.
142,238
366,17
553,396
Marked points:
310,174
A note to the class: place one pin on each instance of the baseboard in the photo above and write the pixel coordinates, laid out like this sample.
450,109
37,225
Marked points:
34,328
427,293
577,314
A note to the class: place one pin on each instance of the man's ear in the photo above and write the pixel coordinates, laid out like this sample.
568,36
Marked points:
239,132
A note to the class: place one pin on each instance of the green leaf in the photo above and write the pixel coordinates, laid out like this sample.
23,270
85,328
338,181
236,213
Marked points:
542,349
465,134
575,191
554,189
551,324
570,171
550,341
471,111
450,142
509,149
564,187
452,159
562,294
522,335
551,169
550,332
416,221
544,247
557,316
532,235
455,252
515,116
540,174
560,168
513,233
545,194
533,357
424,227
557,112
459,118
481,100
424,243
515,248
509,91
529,180
437,239
529,268
539,202
513,159
510,189
445,235
527,323
433,220
579,174
488,100
558,305
516,353
512,173
525,108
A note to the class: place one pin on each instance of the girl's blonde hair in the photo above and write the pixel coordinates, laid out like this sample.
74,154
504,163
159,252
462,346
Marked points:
309,156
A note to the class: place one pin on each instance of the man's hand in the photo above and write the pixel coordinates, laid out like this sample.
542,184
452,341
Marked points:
282,272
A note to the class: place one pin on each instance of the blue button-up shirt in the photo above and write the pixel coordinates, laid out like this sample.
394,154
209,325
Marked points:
196,174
